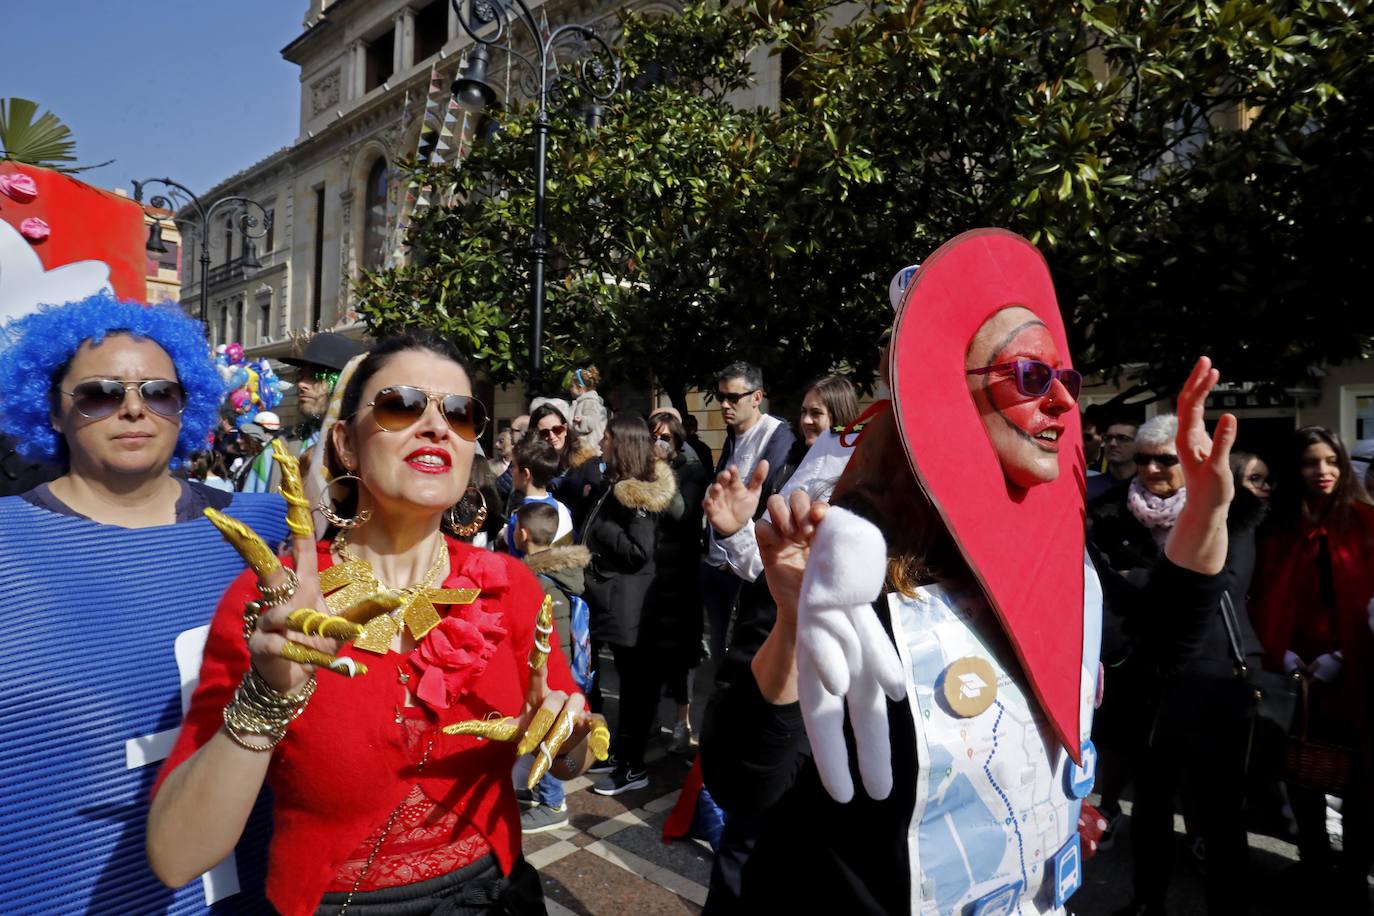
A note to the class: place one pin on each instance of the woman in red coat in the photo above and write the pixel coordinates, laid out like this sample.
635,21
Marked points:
375,806
1313,582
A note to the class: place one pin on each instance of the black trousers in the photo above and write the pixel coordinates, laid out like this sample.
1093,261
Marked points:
640,680
1209,763
737,841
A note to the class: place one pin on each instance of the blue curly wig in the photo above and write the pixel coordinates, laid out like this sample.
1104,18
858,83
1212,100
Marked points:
38,347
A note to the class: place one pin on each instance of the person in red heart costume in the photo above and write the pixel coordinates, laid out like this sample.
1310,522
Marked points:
938,625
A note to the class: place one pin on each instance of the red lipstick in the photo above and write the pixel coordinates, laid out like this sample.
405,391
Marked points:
430,460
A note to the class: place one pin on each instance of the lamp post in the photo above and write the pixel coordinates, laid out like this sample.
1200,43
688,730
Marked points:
178,195
591,75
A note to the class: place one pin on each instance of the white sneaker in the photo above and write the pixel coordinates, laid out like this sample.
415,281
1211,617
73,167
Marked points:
681,740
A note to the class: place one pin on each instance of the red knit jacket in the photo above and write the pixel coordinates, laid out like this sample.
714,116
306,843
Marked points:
342,768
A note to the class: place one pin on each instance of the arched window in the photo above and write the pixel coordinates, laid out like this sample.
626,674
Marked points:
375,228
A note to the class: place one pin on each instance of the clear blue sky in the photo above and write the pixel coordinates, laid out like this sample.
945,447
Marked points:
194,90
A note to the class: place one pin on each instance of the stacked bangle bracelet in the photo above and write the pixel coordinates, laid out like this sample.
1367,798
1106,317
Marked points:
259,710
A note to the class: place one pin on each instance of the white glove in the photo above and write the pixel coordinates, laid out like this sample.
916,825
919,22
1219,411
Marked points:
843,653
1327,667
1291,662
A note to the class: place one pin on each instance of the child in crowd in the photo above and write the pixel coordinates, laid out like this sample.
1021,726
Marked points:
560,573
533,464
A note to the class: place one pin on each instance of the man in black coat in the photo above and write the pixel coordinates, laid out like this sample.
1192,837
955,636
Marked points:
752,437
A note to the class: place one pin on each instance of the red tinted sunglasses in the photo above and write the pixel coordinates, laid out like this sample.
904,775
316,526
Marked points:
1034,378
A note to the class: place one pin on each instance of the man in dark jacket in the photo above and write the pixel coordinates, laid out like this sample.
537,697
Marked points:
752,436
693,441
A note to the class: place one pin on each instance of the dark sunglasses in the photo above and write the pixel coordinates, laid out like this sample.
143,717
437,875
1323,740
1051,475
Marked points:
1034,378
549,432
731,398
100,398
1115,438
666,437
400,406
1164,461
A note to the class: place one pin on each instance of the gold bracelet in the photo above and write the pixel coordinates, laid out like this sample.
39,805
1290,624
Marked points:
273,595
257,709
238,733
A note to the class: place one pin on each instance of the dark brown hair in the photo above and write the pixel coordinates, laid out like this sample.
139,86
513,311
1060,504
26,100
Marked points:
540,521
1239,462
350,400
837,394
879,485
632,454
674,428
571,445
538,457
481,492
1290,498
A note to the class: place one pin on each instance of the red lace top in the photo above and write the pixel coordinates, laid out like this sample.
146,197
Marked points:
423,840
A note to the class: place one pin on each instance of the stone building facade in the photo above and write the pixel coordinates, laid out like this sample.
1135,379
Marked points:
365,69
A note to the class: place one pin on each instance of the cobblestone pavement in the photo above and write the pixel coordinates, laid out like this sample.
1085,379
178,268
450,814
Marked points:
611,858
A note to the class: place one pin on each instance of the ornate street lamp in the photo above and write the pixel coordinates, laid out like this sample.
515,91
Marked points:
596,75
251,226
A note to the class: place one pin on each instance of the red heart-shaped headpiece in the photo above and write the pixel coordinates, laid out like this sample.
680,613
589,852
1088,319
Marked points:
1024,546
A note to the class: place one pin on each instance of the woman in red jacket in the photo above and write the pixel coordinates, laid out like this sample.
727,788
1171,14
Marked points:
374,805
1313,581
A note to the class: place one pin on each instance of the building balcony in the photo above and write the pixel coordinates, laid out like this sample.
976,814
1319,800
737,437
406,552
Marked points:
221,274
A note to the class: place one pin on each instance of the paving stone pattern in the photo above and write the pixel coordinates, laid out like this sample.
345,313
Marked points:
612,859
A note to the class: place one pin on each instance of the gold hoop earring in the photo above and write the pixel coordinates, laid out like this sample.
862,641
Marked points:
326,508
472,527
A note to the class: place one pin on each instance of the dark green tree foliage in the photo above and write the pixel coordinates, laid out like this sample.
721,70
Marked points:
1197,174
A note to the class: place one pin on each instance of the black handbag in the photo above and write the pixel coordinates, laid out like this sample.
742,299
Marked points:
1270,702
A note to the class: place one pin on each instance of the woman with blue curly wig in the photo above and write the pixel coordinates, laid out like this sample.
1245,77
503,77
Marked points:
107,569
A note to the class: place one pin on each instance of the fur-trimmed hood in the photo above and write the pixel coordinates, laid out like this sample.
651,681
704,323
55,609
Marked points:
584,454
563,565
556,559
650,495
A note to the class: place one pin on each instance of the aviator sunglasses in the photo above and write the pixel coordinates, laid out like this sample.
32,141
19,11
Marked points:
399,406
1033,378
97,399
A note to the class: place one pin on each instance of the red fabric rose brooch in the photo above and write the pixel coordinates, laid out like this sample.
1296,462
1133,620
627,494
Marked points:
454,654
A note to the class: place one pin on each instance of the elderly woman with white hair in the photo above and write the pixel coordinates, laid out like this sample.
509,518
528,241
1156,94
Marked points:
1181,734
